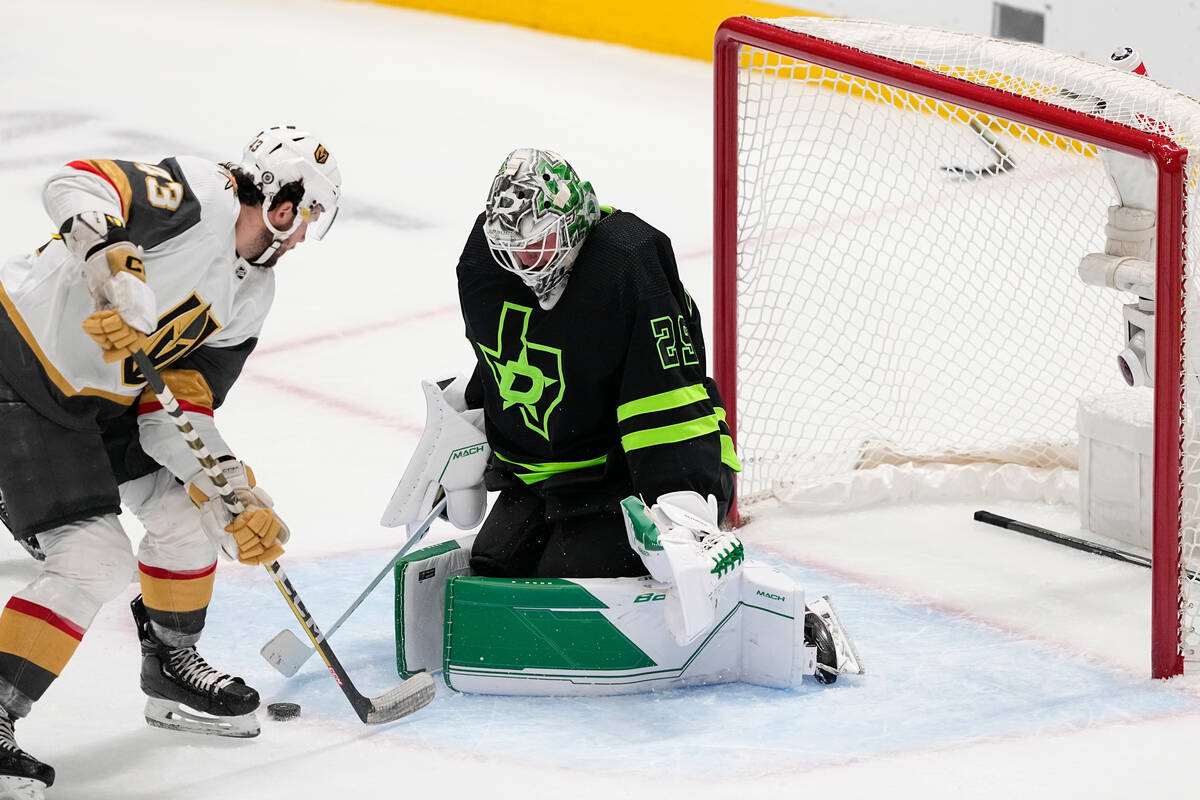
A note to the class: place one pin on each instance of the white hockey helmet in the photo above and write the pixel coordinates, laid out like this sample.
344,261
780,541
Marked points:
538,213
281,155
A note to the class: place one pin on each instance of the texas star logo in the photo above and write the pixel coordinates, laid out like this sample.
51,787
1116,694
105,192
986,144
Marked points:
527,374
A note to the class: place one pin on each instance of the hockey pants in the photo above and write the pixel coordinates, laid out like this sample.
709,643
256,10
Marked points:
90,562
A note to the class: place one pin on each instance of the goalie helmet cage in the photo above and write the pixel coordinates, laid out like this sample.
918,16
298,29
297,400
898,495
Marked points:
899,214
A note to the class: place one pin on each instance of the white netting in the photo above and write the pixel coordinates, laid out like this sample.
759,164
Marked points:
893,310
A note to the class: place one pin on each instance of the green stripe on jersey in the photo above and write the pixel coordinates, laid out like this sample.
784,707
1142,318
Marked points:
540,472
662,401
728,456
669,434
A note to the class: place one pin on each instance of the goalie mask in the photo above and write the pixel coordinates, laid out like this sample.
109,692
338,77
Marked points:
282,154
538,214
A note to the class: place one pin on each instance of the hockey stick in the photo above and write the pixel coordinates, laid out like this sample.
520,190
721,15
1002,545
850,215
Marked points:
411,695
287,654
1070,541
1003,161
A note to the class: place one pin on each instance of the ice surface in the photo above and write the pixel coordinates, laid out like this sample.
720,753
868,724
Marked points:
997,665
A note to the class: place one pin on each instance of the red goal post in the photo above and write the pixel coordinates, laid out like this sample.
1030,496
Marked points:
913,69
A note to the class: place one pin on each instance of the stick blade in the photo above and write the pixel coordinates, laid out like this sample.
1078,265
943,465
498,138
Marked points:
411,695
286,653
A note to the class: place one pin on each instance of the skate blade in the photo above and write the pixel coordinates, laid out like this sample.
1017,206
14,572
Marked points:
174,717
848,659
13,787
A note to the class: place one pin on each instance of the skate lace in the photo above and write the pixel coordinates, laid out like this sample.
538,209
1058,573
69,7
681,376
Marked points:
8,738
193,669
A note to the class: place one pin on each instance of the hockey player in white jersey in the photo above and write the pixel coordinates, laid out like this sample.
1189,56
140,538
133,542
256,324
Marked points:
174,259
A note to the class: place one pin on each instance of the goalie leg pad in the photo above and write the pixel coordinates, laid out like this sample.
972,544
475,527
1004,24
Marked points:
421,579
607,636
775,652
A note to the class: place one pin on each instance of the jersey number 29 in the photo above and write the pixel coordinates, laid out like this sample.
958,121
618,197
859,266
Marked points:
666,332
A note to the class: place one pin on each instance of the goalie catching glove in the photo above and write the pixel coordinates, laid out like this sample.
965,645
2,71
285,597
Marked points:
257,535
680,543
116,278
451,457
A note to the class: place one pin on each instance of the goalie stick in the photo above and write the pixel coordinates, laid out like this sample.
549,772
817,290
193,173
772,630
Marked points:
411,695
1069,541
287,654
1003,161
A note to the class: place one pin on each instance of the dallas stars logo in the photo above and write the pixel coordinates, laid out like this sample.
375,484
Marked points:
528,375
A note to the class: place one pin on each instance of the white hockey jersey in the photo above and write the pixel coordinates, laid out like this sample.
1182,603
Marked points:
211,305
182,212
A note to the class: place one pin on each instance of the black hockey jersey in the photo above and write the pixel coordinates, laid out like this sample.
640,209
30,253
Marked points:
606,393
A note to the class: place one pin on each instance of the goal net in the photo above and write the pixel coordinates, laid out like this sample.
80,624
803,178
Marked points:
900,217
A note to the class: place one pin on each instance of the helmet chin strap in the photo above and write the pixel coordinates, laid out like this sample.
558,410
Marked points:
281,236
266,254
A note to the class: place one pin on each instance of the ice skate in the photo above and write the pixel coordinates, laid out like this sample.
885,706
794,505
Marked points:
184,693
836,653
22,777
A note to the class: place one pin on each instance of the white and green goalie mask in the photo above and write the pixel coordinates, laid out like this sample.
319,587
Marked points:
538,214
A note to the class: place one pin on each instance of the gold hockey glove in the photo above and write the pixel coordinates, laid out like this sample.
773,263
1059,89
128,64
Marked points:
117,339
257,535
256,531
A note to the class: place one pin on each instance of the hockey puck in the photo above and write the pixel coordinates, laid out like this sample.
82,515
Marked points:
283,710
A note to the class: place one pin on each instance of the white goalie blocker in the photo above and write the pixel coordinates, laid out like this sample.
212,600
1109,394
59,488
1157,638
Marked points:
450,457
599,636
681,544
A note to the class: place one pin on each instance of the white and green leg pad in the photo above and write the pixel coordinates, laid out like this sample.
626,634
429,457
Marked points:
610,636
599,635
421,578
